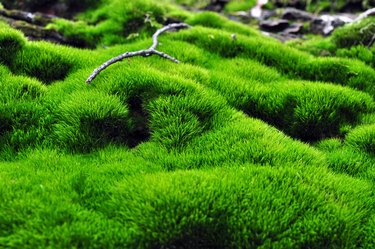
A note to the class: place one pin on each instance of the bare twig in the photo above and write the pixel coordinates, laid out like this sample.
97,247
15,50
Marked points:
367,13
145,53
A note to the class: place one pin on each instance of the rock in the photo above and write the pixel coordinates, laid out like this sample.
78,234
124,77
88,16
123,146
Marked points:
296,14
266,14
216,5
290,3
37,18
37,33
293,29
325,24
33,25
61,8
242,14
274,25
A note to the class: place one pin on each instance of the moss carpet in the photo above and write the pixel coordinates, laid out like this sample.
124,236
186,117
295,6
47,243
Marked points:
247,143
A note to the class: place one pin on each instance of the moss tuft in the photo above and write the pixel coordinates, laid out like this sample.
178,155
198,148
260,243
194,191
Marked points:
11,41
89,120
40,61
362,138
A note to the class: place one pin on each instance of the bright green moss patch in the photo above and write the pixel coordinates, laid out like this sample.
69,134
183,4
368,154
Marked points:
20,88
206,211
206,153
214,20
88,120
40,62
289,61
360,52
362,138
125,207
238,5
23,125
304,110
353,41
236,142
345,159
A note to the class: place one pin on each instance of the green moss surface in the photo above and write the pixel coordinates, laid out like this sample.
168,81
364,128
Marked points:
247,143
355,41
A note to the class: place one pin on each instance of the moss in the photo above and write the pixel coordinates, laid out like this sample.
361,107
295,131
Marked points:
362,138
41,63
23,125
289,61
202,205
360,52
214,20
20,88
91,120
239,5
112,23
11,41
204,153
360,33
301,109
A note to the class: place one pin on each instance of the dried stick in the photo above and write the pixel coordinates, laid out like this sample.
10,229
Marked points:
367,13
145,53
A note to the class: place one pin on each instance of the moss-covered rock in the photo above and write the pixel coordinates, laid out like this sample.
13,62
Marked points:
359,33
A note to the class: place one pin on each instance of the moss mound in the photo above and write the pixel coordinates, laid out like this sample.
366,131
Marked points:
362,138
360,33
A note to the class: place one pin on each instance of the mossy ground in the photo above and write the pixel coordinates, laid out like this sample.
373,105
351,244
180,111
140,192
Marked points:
248,143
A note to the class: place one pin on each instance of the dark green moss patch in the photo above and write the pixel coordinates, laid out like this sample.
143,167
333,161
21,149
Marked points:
11,41
360,33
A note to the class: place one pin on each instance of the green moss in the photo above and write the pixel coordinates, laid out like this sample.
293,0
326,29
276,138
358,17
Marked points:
359,33
238,5
316,45
20,88
88,120
39,60
358,52
325,5
204,153
11,41
362,138
304,110
291,207
235,142
201,209
289,61
214,20
112,23
23,125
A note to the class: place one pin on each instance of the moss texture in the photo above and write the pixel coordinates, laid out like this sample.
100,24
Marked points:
248,143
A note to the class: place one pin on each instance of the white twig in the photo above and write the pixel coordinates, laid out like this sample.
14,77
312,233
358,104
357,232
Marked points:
367,13
145,53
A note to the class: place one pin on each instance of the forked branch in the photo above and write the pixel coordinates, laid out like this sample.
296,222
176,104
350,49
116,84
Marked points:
145,53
